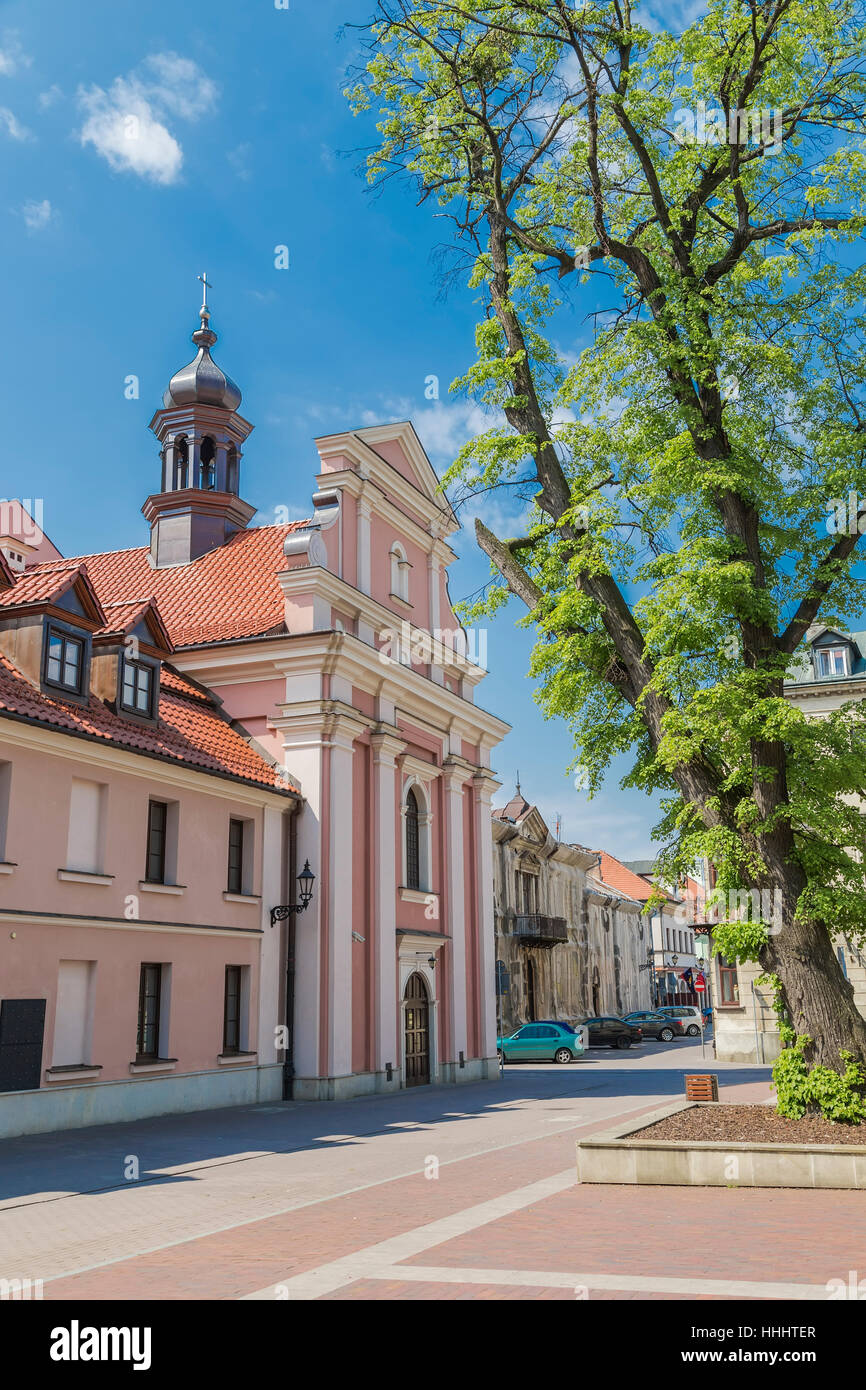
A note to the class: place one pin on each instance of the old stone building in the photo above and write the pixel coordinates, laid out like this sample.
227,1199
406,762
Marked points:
827,673
568,945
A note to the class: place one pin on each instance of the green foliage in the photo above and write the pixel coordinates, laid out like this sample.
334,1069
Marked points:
711,415
740,941
837,1095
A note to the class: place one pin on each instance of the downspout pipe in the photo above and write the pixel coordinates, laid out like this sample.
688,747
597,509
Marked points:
290,867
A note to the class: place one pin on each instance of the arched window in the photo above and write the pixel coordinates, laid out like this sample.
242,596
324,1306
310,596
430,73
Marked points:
232,469
399,572
417,836
413,842
181,462
208,467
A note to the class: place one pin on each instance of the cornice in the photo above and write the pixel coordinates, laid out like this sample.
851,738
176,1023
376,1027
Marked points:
34,918
367,490
318,581
418,768
418,698
359,446
110,756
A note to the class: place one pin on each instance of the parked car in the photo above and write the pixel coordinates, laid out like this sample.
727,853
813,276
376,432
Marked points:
543,1042
610,1031
689,1014
655,1025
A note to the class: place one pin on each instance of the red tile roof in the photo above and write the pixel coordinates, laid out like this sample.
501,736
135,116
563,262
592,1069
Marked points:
231,592
42,585
121,617
618,876
191,729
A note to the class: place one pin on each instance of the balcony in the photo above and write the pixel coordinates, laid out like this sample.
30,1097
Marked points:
534,929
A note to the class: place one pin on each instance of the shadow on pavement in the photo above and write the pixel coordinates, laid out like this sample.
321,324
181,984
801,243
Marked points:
47,1167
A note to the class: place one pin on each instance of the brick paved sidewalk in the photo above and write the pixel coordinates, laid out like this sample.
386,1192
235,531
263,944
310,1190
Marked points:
604,1233
336,1202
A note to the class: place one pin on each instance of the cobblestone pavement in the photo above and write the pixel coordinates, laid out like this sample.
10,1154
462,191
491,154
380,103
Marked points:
454,1193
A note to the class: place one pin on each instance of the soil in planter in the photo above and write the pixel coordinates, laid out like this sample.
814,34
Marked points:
750,1124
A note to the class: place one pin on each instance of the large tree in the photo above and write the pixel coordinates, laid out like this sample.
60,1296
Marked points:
700,193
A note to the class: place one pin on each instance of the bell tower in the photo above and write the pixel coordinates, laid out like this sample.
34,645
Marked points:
201,436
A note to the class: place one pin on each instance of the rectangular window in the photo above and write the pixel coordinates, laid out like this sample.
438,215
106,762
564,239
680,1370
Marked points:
64,660
157,823
149,1000
5,795
236,856
232,1010
73,1017
729,985
840,956
832,661
138,684
85,847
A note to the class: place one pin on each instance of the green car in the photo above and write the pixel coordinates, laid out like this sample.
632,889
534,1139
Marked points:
543,1042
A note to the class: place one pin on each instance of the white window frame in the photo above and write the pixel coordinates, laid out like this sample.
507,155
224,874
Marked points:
400,568
425,822
833,661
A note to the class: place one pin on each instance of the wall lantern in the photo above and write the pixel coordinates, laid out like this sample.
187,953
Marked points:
306,879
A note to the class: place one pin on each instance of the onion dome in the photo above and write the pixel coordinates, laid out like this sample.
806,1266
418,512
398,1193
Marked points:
202,381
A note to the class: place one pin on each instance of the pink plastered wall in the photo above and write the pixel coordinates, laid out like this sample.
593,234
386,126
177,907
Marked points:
37,844
470,909
382,537
362,868
254,703
37,841
29,968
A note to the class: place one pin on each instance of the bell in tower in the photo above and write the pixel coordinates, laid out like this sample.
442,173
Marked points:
201,436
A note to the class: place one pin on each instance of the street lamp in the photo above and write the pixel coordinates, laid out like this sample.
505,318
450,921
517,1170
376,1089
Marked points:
281,913
306,879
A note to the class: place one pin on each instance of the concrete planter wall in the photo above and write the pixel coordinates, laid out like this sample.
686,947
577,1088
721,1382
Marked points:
618,1157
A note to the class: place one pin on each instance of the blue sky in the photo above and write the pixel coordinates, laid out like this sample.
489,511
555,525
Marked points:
238,145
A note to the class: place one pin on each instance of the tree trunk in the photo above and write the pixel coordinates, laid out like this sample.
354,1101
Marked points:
816,994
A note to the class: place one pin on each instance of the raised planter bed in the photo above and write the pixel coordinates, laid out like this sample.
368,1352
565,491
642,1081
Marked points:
629,1154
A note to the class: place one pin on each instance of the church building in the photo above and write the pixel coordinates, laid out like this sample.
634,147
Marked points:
332,645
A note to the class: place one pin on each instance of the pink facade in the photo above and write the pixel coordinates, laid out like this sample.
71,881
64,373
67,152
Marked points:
332,642
81,917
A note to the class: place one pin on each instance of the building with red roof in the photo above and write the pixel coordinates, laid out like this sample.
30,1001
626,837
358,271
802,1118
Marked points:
307,691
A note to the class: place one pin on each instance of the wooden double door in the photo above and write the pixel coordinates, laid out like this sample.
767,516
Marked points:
416,1036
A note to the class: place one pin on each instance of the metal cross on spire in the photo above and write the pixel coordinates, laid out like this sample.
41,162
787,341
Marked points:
207,286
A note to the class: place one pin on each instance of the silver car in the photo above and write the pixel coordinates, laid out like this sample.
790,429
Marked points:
690,1016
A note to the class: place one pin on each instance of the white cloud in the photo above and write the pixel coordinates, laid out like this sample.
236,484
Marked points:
126,124
12,55
37,215
178,86
51,97
239,159
14,129
442,426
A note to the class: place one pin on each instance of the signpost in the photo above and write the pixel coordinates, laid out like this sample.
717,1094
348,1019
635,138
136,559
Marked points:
700,986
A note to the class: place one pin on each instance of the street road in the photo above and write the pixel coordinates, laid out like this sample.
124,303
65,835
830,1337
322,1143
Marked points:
457,1192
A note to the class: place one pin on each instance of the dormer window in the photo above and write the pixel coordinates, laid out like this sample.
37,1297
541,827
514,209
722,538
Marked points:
139,682
64,661
139,687
833,661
